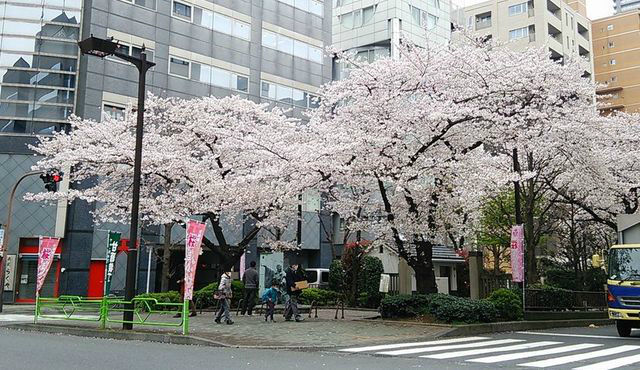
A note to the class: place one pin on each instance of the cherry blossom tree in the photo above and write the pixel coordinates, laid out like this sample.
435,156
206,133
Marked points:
427,138
228,160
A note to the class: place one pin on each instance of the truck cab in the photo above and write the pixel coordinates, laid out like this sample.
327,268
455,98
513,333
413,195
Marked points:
623,286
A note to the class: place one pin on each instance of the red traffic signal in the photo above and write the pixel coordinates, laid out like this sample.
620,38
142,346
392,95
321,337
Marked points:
51,180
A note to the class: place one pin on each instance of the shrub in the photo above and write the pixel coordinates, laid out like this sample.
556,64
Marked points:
403,305
452,309
166,297
204,297
508,304
322,297
369,282
336,276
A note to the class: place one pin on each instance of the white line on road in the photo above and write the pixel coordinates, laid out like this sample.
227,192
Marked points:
448,347
544,352
583,356
568,335
482,351
612,364
414,344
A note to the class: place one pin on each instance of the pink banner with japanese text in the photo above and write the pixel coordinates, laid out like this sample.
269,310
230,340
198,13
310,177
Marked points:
46,251
195,233
517,253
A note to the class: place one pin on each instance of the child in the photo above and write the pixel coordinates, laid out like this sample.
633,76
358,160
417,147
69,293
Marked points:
270,297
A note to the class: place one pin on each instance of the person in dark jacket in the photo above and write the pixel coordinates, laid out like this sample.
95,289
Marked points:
293,274
251,281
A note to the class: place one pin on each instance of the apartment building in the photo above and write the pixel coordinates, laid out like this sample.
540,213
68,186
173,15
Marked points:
616,47
264,50
561,25
624,5
374,28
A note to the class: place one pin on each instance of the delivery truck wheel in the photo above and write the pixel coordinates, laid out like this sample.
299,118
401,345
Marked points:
624,328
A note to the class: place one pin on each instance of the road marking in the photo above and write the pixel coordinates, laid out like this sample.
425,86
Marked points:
612,364
528,354
413,344
482,351
448,347
568,335
583,356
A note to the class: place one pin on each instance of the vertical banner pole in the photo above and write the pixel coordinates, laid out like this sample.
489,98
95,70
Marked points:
35,316
185,316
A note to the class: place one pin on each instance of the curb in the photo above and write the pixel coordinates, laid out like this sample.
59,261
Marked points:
145,337
119,335
498,327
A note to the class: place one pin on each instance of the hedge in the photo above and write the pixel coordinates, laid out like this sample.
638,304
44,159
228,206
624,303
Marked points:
322,297
369,282
166,297
508,304
444,308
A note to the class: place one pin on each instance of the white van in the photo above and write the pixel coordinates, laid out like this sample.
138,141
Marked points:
317,277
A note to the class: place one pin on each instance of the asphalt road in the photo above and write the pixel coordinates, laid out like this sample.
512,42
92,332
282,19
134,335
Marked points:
599,348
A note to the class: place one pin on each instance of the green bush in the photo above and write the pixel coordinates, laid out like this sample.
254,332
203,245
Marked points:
369,282
322,297
336,276
508,304
452,309
404,305
203,298
166,297
445,308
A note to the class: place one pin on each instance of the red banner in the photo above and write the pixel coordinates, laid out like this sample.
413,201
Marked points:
195,233
46,250
517,253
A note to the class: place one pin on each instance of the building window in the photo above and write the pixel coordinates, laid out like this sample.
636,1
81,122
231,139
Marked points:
151,4
614,78
519,33
221,23
612,62
178,67
610,27
182,10
310,6
290,46
288,95
357,18
132,50
518,9
611,44
424,19
114,112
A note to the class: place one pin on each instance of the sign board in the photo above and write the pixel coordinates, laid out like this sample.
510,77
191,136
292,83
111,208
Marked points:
9,272
113,242
1,239
385,281
517,253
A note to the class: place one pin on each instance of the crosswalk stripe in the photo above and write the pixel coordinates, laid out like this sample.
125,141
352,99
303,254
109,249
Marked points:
482,351
583,356
612,364
413,344
448,347
529,354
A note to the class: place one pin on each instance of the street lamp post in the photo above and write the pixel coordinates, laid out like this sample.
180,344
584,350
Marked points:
102,48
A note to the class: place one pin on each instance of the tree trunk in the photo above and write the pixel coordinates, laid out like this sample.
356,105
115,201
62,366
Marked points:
422,265
166,257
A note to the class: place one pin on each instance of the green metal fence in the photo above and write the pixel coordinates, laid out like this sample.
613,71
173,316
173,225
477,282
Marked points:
110,310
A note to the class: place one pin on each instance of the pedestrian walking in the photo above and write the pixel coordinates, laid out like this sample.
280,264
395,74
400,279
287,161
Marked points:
178,274
270,297
251,280
293,275
223,295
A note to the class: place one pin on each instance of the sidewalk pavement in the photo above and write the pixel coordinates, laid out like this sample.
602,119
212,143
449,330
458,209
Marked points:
253,331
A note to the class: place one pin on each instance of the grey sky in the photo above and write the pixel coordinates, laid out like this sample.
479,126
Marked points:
595,8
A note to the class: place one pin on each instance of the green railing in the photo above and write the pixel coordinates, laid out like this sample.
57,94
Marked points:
102,310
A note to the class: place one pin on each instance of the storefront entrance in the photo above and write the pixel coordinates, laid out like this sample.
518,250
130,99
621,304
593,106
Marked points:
27,271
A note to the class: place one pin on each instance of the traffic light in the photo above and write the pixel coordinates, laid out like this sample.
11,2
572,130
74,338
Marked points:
51,180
